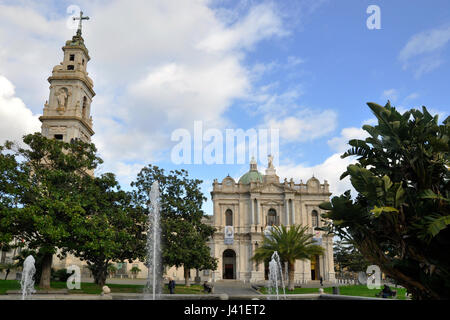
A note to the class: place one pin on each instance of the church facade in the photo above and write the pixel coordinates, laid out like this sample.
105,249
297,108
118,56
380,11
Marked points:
244,212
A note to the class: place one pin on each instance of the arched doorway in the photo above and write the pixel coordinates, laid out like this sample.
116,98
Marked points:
229,264
315,268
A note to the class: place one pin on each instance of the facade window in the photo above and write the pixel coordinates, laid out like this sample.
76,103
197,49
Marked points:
70,67
82,62
272,217
84,107
206,273
72,57
58,136
315,218
228,217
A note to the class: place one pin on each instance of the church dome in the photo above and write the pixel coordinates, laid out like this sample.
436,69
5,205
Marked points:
253,175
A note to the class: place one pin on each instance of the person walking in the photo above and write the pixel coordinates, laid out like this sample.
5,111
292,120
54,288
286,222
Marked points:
207,288
171,285
321,281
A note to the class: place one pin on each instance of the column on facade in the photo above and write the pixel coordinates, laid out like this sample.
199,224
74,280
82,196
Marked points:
252,254
217,214
286,207
303,214
293,212
237,216
251,212
258,213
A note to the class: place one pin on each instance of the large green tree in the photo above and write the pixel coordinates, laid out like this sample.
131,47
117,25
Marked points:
399,219
292,244
44,192
112,229
348,258
51,201
184,235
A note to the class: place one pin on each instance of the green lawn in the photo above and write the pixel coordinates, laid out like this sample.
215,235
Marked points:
354,290
6,285
91,288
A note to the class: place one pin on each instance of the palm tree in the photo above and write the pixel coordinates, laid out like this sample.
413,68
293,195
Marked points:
291,244
112,269
135,270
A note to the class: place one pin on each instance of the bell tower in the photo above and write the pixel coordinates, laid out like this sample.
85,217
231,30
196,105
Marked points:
67,113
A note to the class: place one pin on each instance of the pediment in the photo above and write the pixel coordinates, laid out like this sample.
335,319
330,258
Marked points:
271,203
269,188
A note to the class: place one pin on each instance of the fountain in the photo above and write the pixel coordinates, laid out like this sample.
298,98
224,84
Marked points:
27,281
275,276
154,278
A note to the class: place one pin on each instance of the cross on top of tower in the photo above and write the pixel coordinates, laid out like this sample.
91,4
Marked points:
81,18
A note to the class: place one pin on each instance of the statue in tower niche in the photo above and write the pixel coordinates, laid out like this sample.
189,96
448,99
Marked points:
62,97
270,159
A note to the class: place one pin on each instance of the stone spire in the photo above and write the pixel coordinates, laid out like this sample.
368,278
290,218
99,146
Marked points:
67,113
253,165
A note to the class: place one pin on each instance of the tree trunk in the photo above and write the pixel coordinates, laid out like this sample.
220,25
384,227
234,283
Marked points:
102,279
100,273
46,271
291,273
7,272
186,277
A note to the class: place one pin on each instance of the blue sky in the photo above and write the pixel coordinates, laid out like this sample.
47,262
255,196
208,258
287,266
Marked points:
304,67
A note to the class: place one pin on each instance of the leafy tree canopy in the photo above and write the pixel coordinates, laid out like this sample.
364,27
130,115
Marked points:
113,229
184,235
399,219
50,200
348,258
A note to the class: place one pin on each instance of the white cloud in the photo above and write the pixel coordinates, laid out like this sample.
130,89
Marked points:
156,65
304,125
422,52
427,65
340,143
294,61
411,96
261,23
425,42
330,170
390,94
176,62
274,105
16,119
30,46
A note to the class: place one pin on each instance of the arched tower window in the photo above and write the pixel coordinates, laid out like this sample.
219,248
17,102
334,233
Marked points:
272,217
228,217
84,106
315,218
